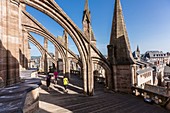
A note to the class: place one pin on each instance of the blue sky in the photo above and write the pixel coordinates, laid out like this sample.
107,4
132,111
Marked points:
147,23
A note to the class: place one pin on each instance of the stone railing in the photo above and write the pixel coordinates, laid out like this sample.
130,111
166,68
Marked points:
75,72
158,95
158,89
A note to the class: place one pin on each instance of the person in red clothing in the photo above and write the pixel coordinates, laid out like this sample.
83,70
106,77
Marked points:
55,77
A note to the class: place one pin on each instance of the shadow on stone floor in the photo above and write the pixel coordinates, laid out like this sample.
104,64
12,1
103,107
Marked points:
56,101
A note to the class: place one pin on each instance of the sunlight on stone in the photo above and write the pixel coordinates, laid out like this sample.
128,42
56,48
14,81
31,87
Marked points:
52,108
56,89
75,86
44,91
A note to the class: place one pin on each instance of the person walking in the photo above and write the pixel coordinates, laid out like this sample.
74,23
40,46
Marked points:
55,77
48,79
65,83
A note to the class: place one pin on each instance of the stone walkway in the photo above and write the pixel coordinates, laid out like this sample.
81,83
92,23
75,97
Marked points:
103,101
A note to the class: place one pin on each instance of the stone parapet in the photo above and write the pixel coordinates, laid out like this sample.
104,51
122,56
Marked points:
31,104
155,94
20,98
159,90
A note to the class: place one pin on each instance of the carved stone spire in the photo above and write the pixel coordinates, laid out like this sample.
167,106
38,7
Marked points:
137,49
119,53
86,5
87,29
86,13
119,41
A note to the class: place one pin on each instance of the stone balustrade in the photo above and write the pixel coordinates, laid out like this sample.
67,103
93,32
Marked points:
157,94
75,72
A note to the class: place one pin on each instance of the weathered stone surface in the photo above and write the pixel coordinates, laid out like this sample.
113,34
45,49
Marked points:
9,39
32,102
123,78
119,52
12,33
20,98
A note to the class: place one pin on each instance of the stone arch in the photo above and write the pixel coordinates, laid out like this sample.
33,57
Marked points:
36,45
59,47
44,54
33,25
52,9
39,32
41,49
107,71
61,51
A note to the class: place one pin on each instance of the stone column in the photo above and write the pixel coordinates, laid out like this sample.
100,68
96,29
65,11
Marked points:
90,76
63,66
28,54
21,44
68,68
24,49
74,66
67,62
134,76
84,74
56,58
25,54
45,56
21,51
115,77
2,48
109,82
42,63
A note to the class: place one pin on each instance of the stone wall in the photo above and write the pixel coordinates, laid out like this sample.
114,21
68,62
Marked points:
123,78
9,41
12,49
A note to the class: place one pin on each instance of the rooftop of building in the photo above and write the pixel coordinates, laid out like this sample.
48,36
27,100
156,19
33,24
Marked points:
151,54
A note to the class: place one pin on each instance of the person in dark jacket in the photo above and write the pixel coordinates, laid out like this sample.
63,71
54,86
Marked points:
48,80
